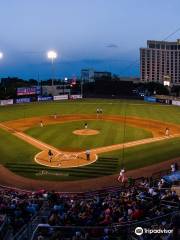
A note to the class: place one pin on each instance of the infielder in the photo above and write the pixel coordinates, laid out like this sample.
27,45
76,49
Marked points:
41,124
85,125
97,112
167,132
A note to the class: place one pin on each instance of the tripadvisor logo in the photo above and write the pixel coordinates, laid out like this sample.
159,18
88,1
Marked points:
139,231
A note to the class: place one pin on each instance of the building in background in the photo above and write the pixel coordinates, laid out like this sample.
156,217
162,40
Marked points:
100,75
90,75
56,90
160,61
87,75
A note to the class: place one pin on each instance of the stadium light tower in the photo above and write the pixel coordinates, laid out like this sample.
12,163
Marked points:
52,55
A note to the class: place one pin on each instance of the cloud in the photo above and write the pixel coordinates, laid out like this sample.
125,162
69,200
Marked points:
112,45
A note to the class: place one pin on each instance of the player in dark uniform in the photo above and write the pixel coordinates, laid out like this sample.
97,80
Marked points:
97,112
50,155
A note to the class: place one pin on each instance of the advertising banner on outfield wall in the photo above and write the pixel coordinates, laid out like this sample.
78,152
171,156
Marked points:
23,100
6,102
60,97
149,99
164,101
44,99
75,96
176,103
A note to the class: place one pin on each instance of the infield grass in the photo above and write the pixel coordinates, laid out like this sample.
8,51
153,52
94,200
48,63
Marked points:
61,135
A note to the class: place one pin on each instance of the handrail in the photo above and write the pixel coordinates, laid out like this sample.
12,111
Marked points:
114,226
24,227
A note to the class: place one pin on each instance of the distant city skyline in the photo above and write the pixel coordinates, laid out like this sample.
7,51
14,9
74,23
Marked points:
99,34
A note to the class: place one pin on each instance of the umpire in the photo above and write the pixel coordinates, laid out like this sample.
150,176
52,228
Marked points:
88,155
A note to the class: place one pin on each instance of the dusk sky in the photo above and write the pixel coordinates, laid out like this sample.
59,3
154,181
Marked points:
101,34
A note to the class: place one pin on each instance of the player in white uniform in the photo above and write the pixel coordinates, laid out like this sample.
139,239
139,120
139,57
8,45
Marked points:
121,176
167,132
97,112
41,124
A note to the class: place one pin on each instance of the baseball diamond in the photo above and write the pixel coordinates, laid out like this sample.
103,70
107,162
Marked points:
132,133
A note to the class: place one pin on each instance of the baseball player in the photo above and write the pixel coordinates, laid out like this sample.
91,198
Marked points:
50,155
173,168
55,115
97,112
167,132
85,125
41,124
121,176
88,155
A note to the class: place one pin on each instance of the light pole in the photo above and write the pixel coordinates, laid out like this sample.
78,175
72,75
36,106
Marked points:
124,136
82,88
1,57
52,55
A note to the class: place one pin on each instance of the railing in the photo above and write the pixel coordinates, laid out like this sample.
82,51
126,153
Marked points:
159,174
116,230
3,227
26,231
154,178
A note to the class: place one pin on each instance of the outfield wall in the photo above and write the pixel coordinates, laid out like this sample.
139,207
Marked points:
39,99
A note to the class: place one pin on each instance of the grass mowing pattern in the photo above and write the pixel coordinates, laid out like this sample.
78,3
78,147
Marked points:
18,155
15,150
107,164
61,135
103,167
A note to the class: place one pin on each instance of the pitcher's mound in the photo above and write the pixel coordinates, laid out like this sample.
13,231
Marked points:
86,132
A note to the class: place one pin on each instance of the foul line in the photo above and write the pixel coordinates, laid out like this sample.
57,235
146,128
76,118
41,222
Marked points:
110,148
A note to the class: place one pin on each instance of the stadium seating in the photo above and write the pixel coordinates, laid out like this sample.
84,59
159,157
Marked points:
111,213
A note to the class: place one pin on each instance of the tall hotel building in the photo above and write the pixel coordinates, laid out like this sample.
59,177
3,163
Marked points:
160,61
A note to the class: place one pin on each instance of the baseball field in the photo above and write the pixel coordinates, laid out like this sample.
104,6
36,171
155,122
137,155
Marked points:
128,133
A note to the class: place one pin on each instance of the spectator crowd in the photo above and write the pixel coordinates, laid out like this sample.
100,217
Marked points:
97,215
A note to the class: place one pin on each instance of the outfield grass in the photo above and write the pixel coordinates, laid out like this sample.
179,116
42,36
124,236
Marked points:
131,107
61,135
